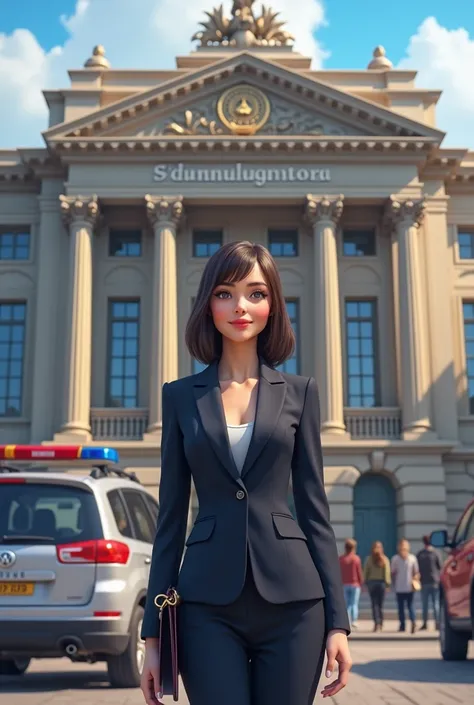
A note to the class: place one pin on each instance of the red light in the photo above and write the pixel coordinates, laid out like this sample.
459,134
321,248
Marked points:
100,551
41,453
11,480
107,614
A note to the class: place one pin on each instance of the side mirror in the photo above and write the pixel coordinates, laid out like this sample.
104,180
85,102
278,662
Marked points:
439,539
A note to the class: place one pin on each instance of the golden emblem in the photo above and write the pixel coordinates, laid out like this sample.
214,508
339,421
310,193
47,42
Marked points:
243,109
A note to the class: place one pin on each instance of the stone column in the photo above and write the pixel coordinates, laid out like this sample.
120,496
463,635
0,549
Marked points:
165,215
45,383
324,213
406,217
80,215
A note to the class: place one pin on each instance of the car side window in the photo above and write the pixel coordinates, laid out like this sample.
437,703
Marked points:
153,507
120,514
142,521
460,534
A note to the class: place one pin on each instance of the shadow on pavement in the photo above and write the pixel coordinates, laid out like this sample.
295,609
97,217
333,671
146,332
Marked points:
418,671
54,681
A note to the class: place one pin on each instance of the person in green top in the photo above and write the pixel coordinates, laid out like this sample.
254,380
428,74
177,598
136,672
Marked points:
378,579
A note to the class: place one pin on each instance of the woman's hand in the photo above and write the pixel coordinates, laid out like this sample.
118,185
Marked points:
149,680
337,649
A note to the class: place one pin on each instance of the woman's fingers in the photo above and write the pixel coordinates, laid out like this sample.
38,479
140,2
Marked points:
149,687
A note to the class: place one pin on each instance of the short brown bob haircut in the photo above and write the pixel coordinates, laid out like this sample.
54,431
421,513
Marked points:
232,263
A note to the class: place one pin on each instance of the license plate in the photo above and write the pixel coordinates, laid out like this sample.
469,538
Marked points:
18,589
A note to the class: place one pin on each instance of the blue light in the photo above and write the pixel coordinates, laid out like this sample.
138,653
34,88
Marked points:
107,455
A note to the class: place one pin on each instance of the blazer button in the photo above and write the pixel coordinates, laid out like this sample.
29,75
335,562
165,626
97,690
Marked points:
240,494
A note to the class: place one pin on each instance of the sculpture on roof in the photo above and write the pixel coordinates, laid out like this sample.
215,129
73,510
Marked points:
244,28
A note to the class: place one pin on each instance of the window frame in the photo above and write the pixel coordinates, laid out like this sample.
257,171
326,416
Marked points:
17,229
197,230
284,230
470,301
296,300
108,397
463,230
114,258
377,381
359,228
24,321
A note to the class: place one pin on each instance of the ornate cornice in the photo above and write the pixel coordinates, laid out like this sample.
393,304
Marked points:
164,210
197,144
409,212
323,208
79,209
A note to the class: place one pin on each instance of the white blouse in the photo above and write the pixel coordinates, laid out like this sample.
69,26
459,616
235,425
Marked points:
239,440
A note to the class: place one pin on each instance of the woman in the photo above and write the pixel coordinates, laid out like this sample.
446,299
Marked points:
404,571
351,572
261,597
377,579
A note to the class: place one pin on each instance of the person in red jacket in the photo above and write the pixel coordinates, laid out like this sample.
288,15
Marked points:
351,571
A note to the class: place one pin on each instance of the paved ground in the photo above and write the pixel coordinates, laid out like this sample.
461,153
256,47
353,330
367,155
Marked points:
386,672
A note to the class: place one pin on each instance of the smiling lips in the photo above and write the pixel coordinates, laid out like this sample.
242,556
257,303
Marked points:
241,323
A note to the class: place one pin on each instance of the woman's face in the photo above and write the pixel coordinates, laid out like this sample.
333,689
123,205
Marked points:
240,310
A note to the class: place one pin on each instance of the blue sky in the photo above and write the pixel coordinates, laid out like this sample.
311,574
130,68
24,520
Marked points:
351,32
434,37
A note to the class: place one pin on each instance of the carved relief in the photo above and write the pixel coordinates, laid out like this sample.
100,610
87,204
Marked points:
285,119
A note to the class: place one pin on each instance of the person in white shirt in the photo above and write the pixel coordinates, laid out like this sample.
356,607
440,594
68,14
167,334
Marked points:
404,566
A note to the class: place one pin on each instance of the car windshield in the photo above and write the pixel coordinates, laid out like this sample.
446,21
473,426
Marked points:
46,512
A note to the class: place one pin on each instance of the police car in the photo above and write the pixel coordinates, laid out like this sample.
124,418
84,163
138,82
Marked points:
75,553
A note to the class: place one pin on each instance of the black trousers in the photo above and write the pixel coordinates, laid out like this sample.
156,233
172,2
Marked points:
251,652
376,590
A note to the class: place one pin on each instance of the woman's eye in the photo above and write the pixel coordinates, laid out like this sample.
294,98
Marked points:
260,294
222,294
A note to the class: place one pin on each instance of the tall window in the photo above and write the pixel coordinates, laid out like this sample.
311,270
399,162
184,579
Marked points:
125,243
283,243
358,243
468,313
466,243
12,349
206,242
361,353
14,243
292,365
124,332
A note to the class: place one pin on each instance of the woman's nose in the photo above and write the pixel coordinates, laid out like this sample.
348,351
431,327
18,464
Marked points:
240,306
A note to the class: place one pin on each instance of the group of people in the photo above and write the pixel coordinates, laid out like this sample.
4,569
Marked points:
406,573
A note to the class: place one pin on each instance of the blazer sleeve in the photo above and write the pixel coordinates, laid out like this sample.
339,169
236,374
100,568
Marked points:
312,508
174,494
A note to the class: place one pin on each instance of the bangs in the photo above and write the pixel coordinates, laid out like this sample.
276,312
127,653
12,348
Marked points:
236,266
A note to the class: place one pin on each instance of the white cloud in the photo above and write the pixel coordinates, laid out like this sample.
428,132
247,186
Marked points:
146,38
444,60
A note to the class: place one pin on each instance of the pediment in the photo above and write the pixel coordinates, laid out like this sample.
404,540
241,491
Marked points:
201,117
186,106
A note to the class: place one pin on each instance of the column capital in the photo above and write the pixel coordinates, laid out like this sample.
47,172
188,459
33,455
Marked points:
79,208
408,211
164,210
323,208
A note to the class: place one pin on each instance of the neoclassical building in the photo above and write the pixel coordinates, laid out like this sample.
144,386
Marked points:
105,230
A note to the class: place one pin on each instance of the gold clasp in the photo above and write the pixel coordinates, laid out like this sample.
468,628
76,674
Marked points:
171,599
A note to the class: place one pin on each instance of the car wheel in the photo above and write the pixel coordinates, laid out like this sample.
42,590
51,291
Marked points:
14,667
125,669
453,644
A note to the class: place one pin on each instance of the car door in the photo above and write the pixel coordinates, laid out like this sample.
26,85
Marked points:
466,563
458,569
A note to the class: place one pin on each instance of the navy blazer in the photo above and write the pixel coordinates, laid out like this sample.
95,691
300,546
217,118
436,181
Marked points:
245,514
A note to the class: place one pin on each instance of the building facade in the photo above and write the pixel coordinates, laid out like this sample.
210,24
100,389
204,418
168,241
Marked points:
104,233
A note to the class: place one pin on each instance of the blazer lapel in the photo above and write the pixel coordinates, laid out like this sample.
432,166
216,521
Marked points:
211,411
270,399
